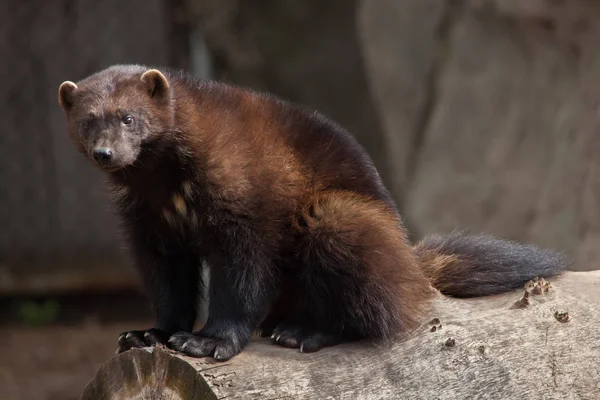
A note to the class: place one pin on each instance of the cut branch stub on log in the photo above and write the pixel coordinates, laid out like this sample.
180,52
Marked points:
150,373
541,345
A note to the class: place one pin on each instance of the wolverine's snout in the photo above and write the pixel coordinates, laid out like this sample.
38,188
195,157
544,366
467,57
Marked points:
102,155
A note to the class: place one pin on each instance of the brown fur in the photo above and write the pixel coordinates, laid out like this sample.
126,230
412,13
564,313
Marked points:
438,266
355,227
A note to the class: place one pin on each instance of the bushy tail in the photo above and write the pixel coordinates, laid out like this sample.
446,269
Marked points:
464,265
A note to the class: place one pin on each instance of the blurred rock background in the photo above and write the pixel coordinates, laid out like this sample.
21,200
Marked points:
480,114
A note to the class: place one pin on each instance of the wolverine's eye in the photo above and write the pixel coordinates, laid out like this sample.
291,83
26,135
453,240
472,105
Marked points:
87,124
128,120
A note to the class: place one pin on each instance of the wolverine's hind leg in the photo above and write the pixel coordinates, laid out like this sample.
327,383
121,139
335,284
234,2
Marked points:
357,276
280,309
289,324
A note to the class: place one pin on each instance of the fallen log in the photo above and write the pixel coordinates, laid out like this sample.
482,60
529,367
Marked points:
539,342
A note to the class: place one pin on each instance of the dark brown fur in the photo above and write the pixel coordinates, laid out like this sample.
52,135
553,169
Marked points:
300,234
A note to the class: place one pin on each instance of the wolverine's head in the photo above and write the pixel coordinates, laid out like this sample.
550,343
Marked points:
115,114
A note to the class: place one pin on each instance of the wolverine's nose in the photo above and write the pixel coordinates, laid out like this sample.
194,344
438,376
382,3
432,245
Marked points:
102,154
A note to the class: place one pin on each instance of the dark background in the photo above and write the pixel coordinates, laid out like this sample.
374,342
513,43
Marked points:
480,114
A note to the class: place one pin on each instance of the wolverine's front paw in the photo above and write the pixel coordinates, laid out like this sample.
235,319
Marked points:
196,345
147,338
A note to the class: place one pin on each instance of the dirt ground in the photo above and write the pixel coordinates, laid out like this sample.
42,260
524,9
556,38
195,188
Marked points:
57,360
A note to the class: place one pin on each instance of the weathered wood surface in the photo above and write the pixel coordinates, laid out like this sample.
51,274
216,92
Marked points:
499,352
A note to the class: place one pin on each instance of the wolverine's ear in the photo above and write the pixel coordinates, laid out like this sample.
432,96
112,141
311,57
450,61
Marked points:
65,94
155,82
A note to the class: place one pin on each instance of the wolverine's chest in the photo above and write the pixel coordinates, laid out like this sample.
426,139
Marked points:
172,205
177,207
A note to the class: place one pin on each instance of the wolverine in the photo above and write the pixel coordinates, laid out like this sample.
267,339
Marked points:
302,240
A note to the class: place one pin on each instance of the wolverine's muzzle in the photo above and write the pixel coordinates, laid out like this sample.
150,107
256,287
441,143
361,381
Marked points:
102,155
